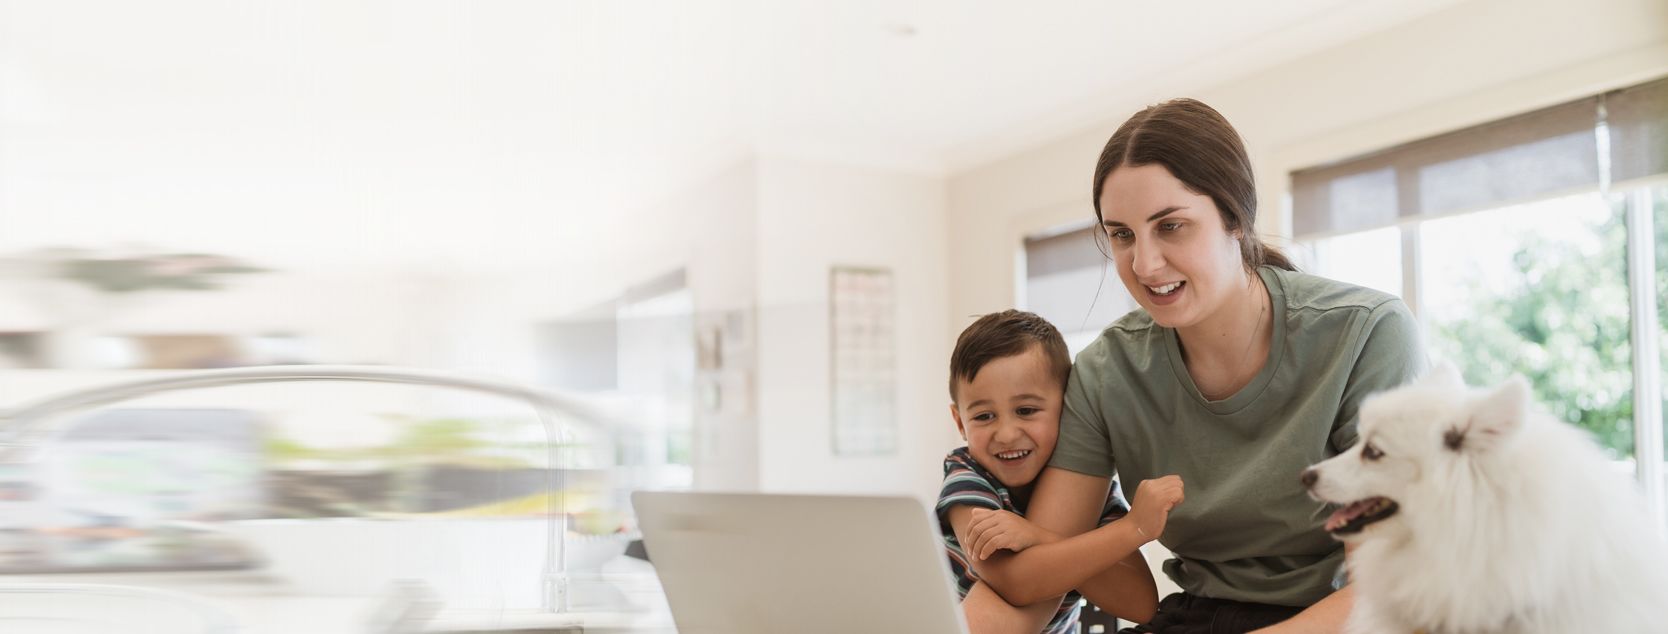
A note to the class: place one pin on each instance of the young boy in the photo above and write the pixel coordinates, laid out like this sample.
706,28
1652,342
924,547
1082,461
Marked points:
1007,382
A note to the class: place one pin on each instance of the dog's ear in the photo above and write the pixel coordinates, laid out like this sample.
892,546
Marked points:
1444,374
1494,418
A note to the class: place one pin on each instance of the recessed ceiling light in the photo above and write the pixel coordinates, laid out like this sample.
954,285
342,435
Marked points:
901,30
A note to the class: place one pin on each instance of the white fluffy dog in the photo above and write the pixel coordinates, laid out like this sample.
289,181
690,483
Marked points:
1473,512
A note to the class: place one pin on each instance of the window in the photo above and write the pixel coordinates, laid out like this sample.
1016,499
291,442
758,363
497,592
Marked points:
1369,258
1659,204
1070,282
1534,245
1540,290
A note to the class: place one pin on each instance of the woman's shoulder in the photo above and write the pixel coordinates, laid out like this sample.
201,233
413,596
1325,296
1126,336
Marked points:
1134,339
1134,328
1309,292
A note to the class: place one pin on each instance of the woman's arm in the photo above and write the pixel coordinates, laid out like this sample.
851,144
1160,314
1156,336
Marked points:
985,610
1052,569
993,531
1127,591
1105,564
1326,616
987,613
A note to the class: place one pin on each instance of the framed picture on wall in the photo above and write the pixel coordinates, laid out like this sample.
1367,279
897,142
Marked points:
863,341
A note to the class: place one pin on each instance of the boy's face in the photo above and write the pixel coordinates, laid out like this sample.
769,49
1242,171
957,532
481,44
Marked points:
1010,415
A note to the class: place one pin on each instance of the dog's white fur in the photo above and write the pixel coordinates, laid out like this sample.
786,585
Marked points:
1509,521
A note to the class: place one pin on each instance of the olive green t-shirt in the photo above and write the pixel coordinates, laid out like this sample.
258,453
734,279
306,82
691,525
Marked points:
1247,531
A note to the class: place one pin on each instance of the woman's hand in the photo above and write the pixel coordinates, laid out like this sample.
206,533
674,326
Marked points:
1153,501
991,531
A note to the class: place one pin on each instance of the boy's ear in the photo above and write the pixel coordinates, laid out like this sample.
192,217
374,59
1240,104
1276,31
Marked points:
956,414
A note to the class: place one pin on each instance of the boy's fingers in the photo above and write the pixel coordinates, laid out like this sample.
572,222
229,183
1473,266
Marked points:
979,539
981,517
990,547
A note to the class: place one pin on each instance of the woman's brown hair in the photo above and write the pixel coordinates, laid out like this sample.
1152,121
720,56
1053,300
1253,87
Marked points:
1202,150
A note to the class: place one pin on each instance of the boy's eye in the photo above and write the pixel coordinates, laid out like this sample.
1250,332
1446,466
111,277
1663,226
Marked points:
1027,411
984,417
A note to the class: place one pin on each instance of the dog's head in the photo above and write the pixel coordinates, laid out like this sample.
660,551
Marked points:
1415,440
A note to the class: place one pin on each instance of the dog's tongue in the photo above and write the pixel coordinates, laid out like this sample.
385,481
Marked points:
1342,516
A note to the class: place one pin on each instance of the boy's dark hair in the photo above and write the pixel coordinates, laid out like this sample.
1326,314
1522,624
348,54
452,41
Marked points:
1006,334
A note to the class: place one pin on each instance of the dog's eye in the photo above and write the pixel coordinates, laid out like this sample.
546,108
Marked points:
1370,452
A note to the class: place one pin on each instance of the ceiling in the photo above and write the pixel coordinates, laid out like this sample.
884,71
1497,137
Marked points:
194,121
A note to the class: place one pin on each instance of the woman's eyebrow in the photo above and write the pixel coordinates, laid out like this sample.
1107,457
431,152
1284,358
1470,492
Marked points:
1161,213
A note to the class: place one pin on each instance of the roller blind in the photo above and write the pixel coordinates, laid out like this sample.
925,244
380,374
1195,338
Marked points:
1526,156
1070,283
1638,122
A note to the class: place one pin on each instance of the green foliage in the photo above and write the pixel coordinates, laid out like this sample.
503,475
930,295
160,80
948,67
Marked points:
425,441
440,439
1564,325
1561,327
175,271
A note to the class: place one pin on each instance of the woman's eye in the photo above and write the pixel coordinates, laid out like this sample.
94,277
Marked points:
1169,226
1122,235
1371,452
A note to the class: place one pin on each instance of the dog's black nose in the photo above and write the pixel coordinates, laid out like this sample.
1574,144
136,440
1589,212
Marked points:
1309,477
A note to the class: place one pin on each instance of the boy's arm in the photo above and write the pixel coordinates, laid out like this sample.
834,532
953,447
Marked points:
986,611
1116,589
1055,568
1104,564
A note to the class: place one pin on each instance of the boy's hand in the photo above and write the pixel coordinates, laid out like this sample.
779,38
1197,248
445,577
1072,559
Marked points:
1153,501
991,531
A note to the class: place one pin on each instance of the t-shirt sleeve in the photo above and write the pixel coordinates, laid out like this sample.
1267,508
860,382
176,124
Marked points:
964,485
1115,507
1084,444
1391,356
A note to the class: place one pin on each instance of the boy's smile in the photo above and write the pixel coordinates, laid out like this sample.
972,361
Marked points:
1010,415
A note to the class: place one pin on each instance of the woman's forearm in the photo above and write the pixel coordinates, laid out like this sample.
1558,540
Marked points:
1126,590
1326,616
987,613
1053,569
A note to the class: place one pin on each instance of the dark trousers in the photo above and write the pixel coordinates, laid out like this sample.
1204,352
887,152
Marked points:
1188,614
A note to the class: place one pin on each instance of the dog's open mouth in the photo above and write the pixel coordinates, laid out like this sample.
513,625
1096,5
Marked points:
1351,519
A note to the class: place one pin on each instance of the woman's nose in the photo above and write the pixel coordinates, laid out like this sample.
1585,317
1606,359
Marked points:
1146,260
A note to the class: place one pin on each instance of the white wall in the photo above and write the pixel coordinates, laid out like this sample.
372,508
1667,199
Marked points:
761,238
707,230
1472,63
815,215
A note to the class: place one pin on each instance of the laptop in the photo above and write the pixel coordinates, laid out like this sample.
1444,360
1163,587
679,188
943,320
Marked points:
740,563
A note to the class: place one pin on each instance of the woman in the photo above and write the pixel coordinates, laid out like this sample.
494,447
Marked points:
1235,373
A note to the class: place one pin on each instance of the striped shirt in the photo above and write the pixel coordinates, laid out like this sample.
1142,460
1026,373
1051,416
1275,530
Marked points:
967,483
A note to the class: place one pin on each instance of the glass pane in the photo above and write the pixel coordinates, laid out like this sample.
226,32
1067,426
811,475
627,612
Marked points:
1540,290
1370,258
1659,205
